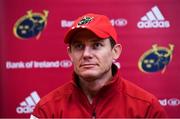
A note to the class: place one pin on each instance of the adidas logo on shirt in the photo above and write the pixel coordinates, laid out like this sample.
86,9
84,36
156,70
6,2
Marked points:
29,104
153,19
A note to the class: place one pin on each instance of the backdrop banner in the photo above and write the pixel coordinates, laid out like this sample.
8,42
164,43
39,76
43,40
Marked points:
34,58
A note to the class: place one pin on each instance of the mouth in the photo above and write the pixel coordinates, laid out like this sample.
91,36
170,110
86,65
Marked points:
88,65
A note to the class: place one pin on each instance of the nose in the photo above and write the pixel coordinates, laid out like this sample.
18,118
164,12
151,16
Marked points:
87,53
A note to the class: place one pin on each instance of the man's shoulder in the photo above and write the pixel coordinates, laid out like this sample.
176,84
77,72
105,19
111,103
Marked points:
135,92
57,94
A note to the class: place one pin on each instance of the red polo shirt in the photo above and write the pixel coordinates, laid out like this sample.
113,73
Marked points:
119,98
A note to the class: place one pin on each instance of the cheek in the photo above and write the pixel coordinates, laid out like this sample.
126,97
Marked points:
75,58
106,58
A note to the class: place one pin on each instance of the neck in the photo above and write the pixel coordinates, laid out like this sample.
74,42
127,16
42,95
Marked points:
91,88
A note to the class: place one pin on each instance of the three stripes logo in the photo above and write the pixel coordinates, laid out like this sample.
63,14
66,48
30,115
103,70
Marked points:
153,19
29,104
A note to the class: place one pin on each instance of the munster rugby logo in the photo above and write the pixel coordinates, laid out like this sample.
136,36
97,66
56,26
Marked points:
156,59
85,20
30,25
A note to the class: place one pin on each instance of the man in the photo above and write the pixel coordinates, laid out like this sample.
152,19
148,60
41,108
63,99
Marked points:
97,90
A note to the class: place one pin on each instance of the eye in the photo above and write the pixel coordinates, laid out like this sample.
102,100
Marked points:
97,45
78,46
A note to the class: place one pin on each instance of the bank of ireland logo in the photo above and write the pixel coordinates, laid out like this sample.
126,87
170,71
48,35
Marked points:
170,102
156,59
30,25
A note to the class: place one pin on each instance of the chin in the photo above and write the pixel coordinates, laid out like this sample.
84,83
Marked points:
89,76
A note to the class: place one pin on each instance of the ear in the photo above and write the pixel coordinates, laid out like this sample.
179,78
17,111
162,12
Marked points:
116,51
69,53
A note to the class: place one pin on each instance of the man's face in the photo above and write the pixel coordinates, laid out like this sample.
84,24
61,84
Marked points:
92,57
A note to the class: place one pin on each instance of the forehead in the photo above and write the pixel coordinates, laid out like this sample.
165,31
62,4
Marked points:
85,36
